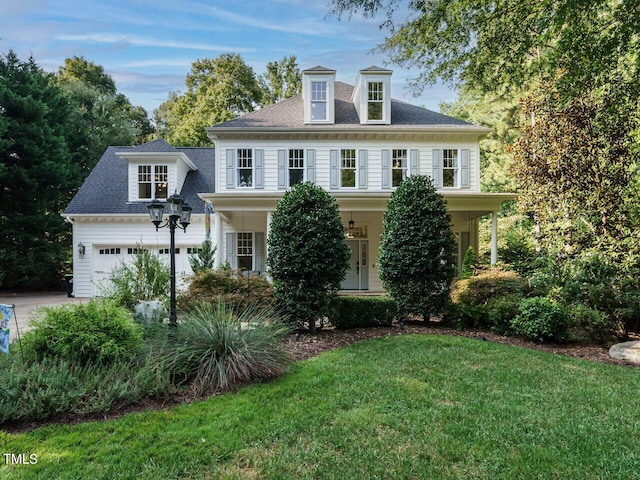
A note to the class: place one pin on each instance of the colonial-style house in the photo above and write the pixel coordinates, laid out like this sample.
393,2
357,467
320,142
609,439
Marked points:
355,141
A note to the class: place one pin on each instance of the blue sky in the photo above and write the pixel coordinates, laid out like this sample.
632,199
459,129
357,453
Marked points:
148,46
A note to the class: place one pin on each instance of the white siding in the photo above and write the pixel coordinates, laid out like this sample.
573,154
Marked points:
102,234
322,149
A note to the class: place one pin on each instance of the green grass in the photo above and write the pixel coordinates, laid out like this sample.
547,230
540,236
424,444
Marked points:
395,407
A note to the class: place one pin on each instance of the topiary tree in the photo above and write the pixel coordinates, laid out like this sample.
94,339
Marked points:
416,261
307,257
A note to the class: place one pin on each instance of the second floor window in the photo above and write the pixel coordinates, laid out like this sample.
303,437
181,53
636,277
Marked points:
398,167
153,181
318,101
296,166
245,167
375,101
450,168
347,168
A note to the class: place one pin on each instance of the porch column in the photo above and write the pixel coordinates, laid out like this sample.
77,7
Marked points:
269,216
217,237
494,238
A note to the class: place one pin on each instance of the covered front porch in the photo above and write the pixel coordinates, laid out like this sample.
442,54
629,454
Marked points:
241,225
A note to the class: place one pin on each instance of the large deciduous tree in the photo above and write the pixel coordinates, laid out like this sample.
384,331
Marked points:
576,164
486,44
37,174
282,80
218,90
415,261
101,116
307,256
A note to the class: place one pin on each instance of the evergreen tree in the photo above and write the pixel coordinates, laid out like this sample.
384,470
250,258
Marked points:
415,262
204,259
37,175
308,257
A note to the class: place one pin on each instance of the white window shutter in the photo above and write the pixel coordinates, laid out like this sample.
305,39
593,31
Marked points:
232,259
334,169
386,168
437,167
464,168
231,168
362,168
259,169
259,252
282,169
311,165
413,162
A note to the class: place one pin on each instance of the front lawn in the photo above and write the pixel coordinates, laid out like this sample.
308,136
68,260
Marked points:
397,407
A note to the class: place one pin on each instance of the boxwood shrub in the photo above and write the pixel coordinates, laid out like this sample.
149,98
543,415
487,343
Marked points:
358,312
540,319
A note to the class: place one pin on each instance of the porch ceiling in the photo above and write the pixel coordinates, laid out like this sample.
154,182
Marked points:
457,201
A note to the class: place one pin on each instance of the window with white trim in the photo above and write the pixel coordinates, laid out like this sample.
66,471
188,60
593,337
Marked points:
296,166
375,100
347,167
450,168
167,251
318,101
153,181
245,250
398,166
109,251
245,167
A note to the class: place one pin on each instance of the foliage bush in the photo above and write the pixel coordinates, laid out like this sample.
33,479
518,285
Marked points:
217,345
95,332
229,286
308,257
416,263
595,323
43,389
362,312
486,285
519,249
540,319
499,312
146,277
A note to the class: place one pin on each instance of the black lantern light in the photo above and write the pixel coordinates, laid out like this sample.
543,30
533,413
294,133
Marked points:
179,212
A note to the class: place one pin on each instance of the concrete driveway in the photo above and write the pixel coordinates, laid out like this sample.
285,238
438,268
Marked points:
26,303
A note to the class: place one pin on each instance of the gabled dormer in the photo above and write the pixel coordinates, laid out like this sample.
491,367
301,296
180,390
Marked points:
156,170
318,93
372,96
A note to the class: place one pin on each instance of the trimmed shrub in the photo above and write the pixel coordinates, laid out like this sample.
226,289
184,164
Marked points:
363,312
308,257
467,263
493,283
416,263
229,286
540,319
499,312
216,345
595,323
96,332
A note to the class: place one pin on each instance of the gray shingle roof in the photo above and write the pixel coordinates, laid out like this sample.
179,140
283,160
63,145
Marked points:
289,114
105,190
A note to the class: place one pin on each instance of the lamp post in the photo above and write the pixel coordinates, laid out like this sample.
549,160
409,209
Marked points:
179,212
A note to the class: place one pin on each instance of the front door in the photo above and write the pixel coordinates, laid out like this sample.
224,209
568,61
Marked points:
358,274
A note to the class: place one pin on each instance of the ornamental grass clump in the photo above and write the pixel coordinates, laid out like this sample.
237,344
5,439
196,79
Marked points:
216,346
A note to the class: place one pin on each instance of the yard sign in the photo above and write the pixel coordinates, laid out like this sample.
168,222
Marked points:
6,314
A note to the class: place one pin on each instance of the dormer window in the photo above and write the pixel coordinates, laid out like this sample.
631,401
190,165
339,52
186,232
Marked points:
372,96
153,182
375,100
318,92
318,101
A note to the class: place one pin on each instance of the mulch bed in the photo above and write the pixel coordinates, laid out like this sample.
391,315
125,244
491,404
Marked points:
306,345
